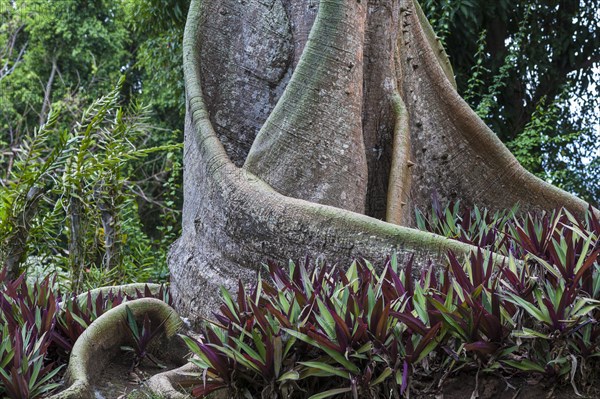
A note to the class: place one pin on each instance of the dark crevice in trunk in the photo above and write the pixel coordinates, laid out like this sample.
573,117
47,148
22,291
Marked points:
301,14
378,115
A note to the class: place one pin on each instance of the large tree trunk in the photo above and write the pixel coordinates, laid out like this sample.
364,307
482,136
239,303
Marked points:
311,126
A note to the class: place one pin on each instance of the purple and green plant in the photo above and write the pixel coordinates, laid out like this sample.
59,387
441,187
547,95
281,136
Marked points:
323,331
549,286
24,371
27,317
78,313
37,332
142,338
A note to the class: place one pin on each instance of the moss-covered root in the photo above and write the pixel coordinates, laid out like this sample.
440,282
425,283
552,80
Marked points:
102,340
167,384
128,289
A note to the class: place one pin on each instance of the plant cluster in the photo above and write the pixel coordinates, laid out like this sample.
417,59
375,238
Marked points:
78,312
28,319
70,204
64,55
141,338
38,330
327,332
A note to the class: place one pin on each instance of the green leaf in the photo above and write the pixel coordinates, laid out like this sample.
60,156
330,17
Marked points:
547,266
529,307
383,376
529,333
338,357
237,357
584,253
365,348
420,305
291,375
447,316
524,365
258,343
132,323
352,276
326,320
331,392
327,368
251,352
229,302
277,354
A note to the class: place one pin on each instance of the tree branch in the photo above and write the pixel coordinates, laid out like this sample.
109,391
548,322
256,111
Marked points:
7,53
48,92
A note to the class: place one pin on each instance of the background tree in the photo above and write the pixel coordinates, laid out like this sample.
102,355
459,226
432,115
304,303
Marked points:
530,69
157,28
156,76
307,126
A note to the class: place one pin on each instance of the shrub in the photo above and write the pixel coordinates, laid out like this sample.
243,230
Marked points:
324,332
38,331
28,317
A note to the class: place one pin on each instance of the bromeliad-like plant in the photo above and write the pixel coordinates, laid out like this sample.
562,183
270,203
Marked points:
471,308
316,334
562,307
37,331
78,313
549,289
27,316
473,226
358,333
24,370
141,338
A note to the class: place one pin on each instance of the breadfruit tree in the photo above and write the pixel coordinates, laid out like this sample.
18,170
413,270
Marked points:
315,128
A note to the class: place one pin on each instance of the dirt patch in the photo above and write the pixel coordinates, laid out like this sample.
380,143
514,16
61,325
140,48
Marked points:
118,379
468,386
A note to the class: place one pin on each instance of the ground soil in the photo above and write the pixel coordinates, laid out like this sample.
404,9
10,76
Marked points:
497,387
119,380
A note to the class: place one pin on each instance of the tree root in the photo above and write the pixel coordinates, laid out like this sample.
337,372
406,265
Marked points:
166,384
102,340
127,289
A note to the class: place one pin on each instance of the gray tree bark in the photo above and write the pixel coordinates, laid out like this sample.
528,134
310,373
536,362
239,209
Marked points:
315,128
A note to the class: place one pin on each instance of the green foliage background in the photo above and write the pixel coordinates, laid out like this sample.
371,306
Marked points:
106,152
531,70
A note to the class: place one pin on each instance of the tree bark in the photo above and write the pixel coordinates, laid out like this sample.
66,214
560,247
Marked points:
355,122
334,172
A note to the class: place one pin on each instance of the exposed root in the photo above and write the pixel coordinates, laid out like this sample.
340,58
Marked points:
102,340
168,384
